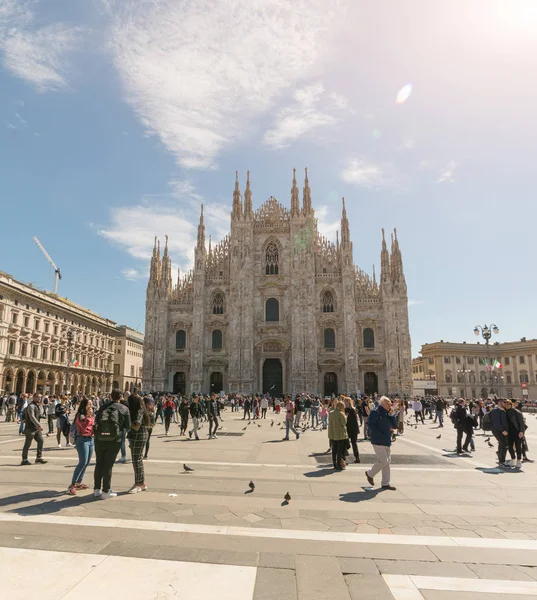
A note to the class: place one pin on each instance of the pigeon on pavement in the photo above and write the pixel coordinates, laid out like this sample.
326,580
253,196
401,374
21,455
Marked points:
187,469
251,485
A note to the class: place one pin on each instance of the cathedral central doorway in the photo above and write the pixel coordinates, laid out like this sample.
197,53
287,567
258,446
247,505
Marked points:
217,382
273,377
371,384
330,384
179,383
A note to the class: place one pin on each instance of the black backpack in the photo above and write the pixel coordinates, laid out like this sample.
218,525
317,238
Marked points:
487,422
109,427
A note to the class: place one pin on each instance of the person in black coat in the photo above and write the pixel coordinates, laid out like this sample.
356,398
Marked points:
515,428
463,424
352,427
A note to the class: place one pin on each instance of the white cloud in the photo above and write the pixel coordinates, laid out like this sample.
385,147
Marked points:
366,174
312,108
198,73
408,144
325,224
133,228
39,56
414,302
446,174
133,274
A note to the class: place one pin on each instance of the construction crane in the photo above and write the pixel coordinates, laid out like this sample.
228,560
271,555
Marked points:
57,272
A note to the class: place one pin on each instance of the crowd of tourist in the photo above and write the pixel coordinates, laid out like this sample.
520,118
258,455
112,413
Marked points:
104,424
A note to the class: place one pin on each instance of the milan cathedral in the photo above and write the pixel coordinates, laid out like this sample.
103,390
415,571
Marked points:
277,308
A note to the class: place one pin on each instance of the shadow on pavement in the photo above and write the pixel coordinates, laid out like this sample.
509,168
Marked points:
359,496
42,494
320,472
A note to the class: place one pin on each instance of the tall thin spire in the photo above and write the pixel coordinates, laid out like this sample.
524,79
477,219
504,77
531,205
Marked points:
248,210
237,200
306,197
396,260
166,277
155,264
345,231
201,231
375,285
385,275
295,202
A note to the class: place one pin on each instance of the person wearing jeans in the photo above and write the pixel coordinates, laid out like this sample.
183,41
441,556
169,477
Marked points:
84,443
289,414
110,422
381,423
33,431
314,411
195,413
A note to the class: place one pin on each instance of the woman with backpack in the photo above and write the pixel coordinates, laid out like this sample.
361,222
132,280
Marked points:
62,422
137,437
150,409
84,443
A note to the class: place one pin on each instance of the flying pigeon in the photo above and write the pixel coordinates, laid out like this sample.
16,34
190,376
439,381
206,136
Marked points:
251,485
438,436
244,428
187,469
258,424
287,497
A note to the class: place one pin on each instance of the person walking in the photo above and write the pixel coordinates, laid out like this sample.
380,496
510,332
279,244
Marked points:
84,444
184,411
353,429
195,413
247,407
500,430
62,422
169,411
289,415
151,412
110,422
138,436
463,425
515,432
264,407
366,411
33,430
314,411
417,407
213,411
338,435
440,406
381,423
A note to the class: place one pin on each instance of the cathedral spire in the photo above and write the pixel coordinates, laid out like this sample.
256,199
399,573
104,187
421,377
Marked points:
166,276
201,231
375,285
237,200
295,202
345,231
178,277
396,260
306,197
248,197
155,265
385,275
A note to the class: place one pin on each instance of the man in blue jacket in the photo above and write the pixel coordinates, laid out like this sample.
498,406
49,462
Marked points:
380,425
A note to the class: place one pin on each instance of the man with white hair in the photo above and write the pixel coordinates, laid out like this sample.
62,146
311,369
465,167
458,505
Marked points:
381,423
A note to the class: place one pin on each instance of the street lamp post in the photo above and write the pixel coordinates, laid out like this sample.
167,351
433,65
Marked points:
486,333
463,370
70,336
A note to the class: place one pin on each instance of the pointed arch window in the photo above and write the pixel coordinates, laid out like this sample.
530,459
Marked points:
328,302
369,338
180,339
218,304
272,310
329,339
272,258
217,340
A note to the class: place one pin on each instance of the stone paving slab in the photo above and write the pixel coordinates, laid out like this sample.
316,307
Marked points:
320,578
275,584
367,587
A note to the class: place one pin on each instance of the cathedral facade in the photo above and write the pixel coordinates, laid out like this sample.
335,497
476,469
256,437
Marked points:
276,307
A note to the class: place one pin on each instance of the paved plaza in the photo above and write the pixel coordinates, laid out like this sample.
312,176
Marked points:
456,528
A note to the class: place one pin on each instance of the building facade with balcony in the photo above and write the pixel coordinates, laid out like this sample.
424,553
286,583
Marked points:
276,307
128,359
35,327
460,370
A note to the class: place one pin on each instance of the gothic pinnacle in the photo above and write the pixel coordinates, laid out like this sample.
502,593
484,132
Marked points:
306,198
248,197
295,202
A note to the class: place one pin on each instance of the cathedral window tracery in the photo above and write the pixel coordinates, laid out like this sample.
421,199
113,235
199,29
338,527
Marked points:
328,302
272,259
218,304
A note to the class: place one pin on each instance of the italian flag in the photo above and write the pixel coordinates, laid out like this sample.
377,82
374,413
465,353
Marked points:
497,364
73,362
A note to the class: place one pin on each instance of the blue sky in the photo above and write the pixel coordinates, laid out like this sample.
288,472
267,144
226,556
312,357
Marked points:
118,118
